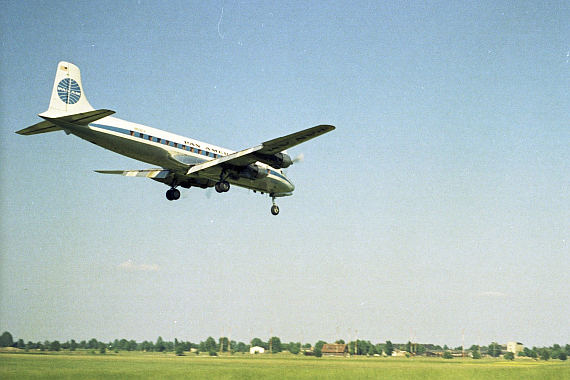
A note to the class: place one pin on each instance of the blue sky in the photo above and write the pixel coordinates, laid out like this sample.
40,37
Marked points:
438,206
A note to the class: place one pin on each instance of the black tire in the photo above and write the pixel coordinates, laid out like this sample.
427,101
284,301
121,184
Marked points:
169,195
175,193
275,210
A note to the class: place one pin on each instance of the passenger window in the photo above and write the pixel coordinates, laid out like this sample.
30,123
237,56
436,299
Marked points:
132,133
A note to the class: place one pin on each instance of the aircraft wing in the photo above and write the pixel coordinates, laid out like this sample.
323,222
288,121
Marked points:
148,173
248,156
282,143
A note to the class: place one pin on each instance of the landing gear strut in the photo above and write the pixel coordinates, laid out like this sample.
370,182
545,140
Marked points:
274,208
223,186
173,194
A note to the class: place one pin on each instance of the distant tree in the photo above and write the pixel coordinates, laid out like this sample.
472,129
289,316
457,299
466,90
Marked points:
275,344
160,346
447,355
563,356
319,345
389,348
224,344
494,350
93,344
544,354
102,348
379,348
72,345
145,346
476,354
179,350
340,341
294,348
20,344
533,354
241,347
318,352
509,356
55,346
445,347
256,342
567,349
6,339
210,344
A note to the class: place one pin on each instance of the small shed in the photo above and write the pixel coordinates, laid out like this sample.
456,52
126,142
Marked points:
335,349
256,350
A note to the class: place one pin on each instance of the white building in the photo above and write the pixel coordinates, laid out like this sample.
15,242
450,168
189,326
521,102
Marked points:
256,350
515,347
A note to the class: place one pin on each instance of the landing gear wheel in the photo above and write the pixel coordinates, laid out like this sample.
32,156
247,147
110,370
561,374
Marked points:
173,194
222,187
275,210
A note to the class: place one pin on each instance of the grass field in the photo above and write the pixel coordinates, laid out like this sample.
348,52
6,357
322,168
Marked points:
136,365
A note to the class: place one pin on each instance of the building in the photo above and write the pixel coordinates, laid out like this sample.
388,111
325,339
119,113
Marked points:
335,349
515,347
256,350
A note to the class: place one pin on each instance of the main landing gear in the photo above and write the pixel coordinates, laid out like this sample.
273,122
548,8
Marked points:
173,194
222,187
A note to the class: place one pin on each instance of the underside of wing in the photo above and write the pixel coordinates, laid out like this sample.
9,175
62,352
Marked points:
147,173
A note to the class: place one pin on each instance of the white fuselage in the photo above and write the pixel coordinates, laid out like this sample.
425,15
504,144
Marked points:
170,151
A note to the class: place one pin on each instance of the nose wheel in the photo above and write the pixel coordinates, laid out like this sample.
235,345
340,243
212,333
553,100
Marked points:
274,208
173,194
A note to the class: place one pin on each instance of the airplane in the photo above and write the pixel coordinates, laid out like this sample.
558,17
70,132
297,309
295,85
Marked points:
181,161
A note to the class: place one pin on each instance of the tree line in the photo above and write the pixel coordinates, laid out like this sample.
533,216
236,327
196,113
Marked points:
274,345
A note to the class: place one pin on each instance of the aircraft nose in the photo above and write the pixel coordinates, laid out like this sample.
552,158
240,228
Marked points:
290,186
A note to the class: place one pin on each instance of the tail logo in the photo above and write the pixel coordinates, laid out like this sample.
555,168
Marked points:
69,91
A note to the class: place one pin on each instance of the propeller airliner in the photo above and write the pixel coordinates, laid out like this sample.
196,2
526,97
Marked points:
181,161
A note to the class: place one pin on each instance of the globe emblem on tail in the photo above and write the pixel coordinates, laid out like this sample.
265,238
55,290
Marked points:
69,91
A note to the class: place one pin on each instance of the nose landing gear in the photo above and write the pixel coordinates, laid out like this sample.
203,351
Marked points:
274,208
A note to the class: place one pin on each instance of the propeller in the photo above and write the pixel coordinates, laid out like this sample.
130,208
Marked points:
300,157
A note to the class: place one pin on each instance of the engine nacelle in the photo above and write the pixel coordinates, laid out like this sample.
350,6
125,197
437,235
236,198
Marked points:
253,172
279,160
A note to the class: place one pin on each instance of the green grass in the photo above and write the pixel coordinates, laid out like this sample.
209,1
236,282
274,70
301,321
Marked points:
136,365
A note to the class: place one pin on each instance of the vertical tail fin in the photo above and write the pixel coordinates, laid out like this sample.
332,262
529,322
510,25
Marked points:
67,96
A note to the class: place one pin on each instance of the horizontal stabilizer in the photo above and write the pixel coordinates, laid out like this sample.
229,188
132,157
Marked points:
49,125
82,118
42,127
146,173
